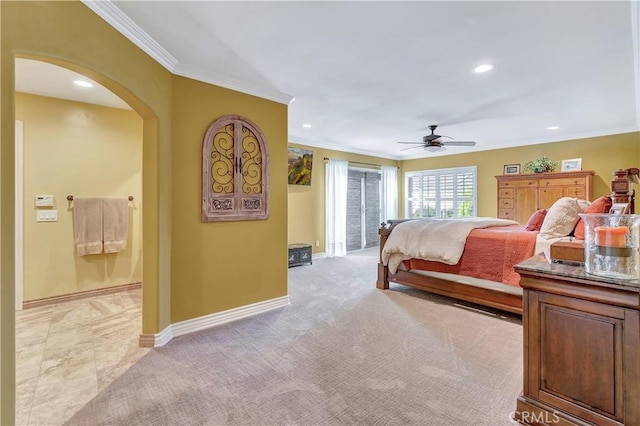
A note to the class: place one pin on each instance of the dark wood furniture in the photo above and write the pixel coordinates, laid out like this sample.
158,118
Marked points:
581,347
299,254
501,296
621,191
519,196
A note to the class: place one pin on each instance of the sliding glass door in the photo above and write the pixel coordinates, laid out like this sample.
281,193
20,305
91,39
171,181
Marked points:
363,208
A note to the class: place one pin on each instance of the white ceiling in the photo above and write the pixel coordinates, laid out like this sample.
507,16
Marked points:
369,74
41,78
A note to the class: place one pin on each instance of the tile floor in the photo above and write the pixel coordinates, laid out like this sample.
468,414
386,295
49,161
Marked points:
68,352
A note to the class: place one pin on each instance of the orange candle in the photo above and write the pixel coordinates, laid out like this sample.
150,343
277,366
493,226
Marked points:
611,236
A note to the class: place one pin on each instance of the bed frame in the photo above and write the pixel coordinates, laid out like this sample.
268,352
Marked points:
492,297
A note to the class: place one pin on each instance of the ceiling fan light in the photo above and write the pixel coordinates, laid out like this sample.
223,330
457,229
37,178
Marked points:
434,148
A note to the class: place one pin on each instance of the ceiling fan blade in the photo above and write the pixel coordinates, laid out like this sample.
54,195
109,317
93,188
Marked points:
458,143
417,143
411,147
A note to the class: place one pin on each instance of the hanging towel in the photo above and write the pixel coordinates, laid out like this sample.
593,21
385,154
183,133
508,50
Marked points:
87,225
116,224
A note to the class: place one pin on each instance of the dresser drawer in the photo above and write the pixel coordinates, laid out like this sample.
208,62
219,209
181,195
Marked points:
506,193
575,191
506,203
562,182
506,214
517,183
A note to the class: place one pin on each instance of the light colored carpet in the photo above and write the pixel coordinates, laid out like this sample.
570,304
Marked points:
342,353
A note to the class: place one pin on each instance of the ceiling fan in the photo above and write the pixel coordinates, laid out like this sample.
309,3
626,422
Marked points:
433,142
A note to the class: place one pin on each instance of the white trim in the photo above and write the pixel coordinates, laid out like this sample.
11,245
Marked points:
108,11
219,318
163,337
237,85
19,196
316,256
121,22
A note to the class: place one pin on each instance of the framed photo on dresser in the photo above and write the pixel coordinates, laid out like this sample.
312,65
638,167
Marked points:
511,169
620,208
572,165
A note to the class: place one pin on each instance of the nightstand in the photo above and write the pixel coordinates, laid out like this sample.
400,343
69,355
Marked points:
299,254
581,347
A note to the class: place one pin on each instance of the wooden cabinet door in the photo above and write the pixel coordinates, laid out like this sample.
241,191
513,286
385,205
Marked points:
526,204
582,355
548,196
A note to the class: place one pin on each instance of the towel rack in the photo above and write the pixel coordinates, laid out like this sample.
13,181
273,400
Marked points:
70,197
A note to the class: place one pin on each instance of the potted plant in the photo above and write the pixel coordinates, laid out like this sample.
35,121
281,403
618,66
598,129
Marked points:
541,165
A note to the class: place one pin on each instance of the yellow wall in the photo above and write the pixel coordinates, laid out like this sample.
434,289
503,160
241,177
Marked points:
69,34
603,155
306,203
83,150
221,265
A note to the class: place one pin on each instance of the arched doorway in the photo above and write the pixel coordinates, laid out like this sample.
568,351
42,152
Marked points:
71,344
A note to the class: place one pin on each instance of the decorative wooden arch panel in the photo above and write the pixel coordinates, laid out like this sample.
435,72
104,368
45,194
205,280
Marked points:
235,171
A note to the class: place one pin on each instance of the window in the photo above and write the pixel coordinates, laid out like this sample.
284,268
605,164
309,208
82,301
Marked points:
441,193
234,171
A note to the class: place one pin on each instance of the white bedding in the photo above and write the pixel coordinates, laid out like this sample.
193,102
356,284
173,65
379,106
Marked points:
415,239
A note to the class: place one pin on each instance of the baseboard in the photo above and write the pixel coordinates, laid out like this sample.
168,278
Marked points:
315,256
80,295
212,320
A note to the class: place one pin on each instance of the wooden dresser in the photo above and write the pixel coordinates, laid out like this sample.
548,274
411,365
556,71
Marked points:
581,338
521,195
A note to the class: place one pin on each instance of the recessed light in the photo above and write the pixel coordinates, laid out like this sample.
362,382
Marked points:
483,68
83,83
553,127
307,126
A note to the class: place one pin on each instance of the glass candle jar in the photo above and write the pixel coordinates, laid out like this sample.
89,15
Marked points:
611,245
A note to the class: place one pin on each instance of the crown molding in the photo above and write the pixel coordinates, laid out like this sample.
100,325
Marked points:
229,83
121,22
108,11
301,140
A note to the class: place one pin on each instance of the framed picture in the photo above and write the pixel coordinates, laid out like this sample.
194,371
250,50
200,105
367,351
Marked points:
512,169
620,208
300,165
572,165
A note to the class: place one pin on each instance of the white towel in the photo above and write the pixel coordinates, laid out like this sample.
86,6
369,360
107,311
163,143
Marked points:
116,224
87,225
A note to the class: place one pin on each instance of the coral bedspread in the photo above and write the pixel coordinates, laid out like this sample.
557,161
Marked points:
489,253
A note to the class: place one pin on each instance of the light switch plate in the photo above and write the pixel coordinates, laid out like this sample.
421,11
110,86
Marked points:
47,216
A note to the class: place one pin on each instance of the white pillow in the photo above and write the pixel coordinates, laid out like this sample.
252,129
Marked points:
561,218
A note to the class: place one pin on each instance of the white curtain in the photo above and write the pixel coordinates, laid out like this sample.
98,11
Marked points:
336,207
389,194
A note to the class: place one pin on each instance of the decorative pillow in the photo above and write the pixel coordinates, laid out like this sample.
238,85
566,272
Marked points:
535,221
583,204
561,218
601,205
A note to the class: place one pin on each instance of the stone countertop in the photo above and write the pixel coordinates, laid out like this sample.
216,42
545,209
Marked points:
541,264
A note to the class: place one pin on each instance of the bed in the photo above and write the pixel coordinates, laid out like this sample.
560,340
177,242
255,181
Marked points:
483,274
